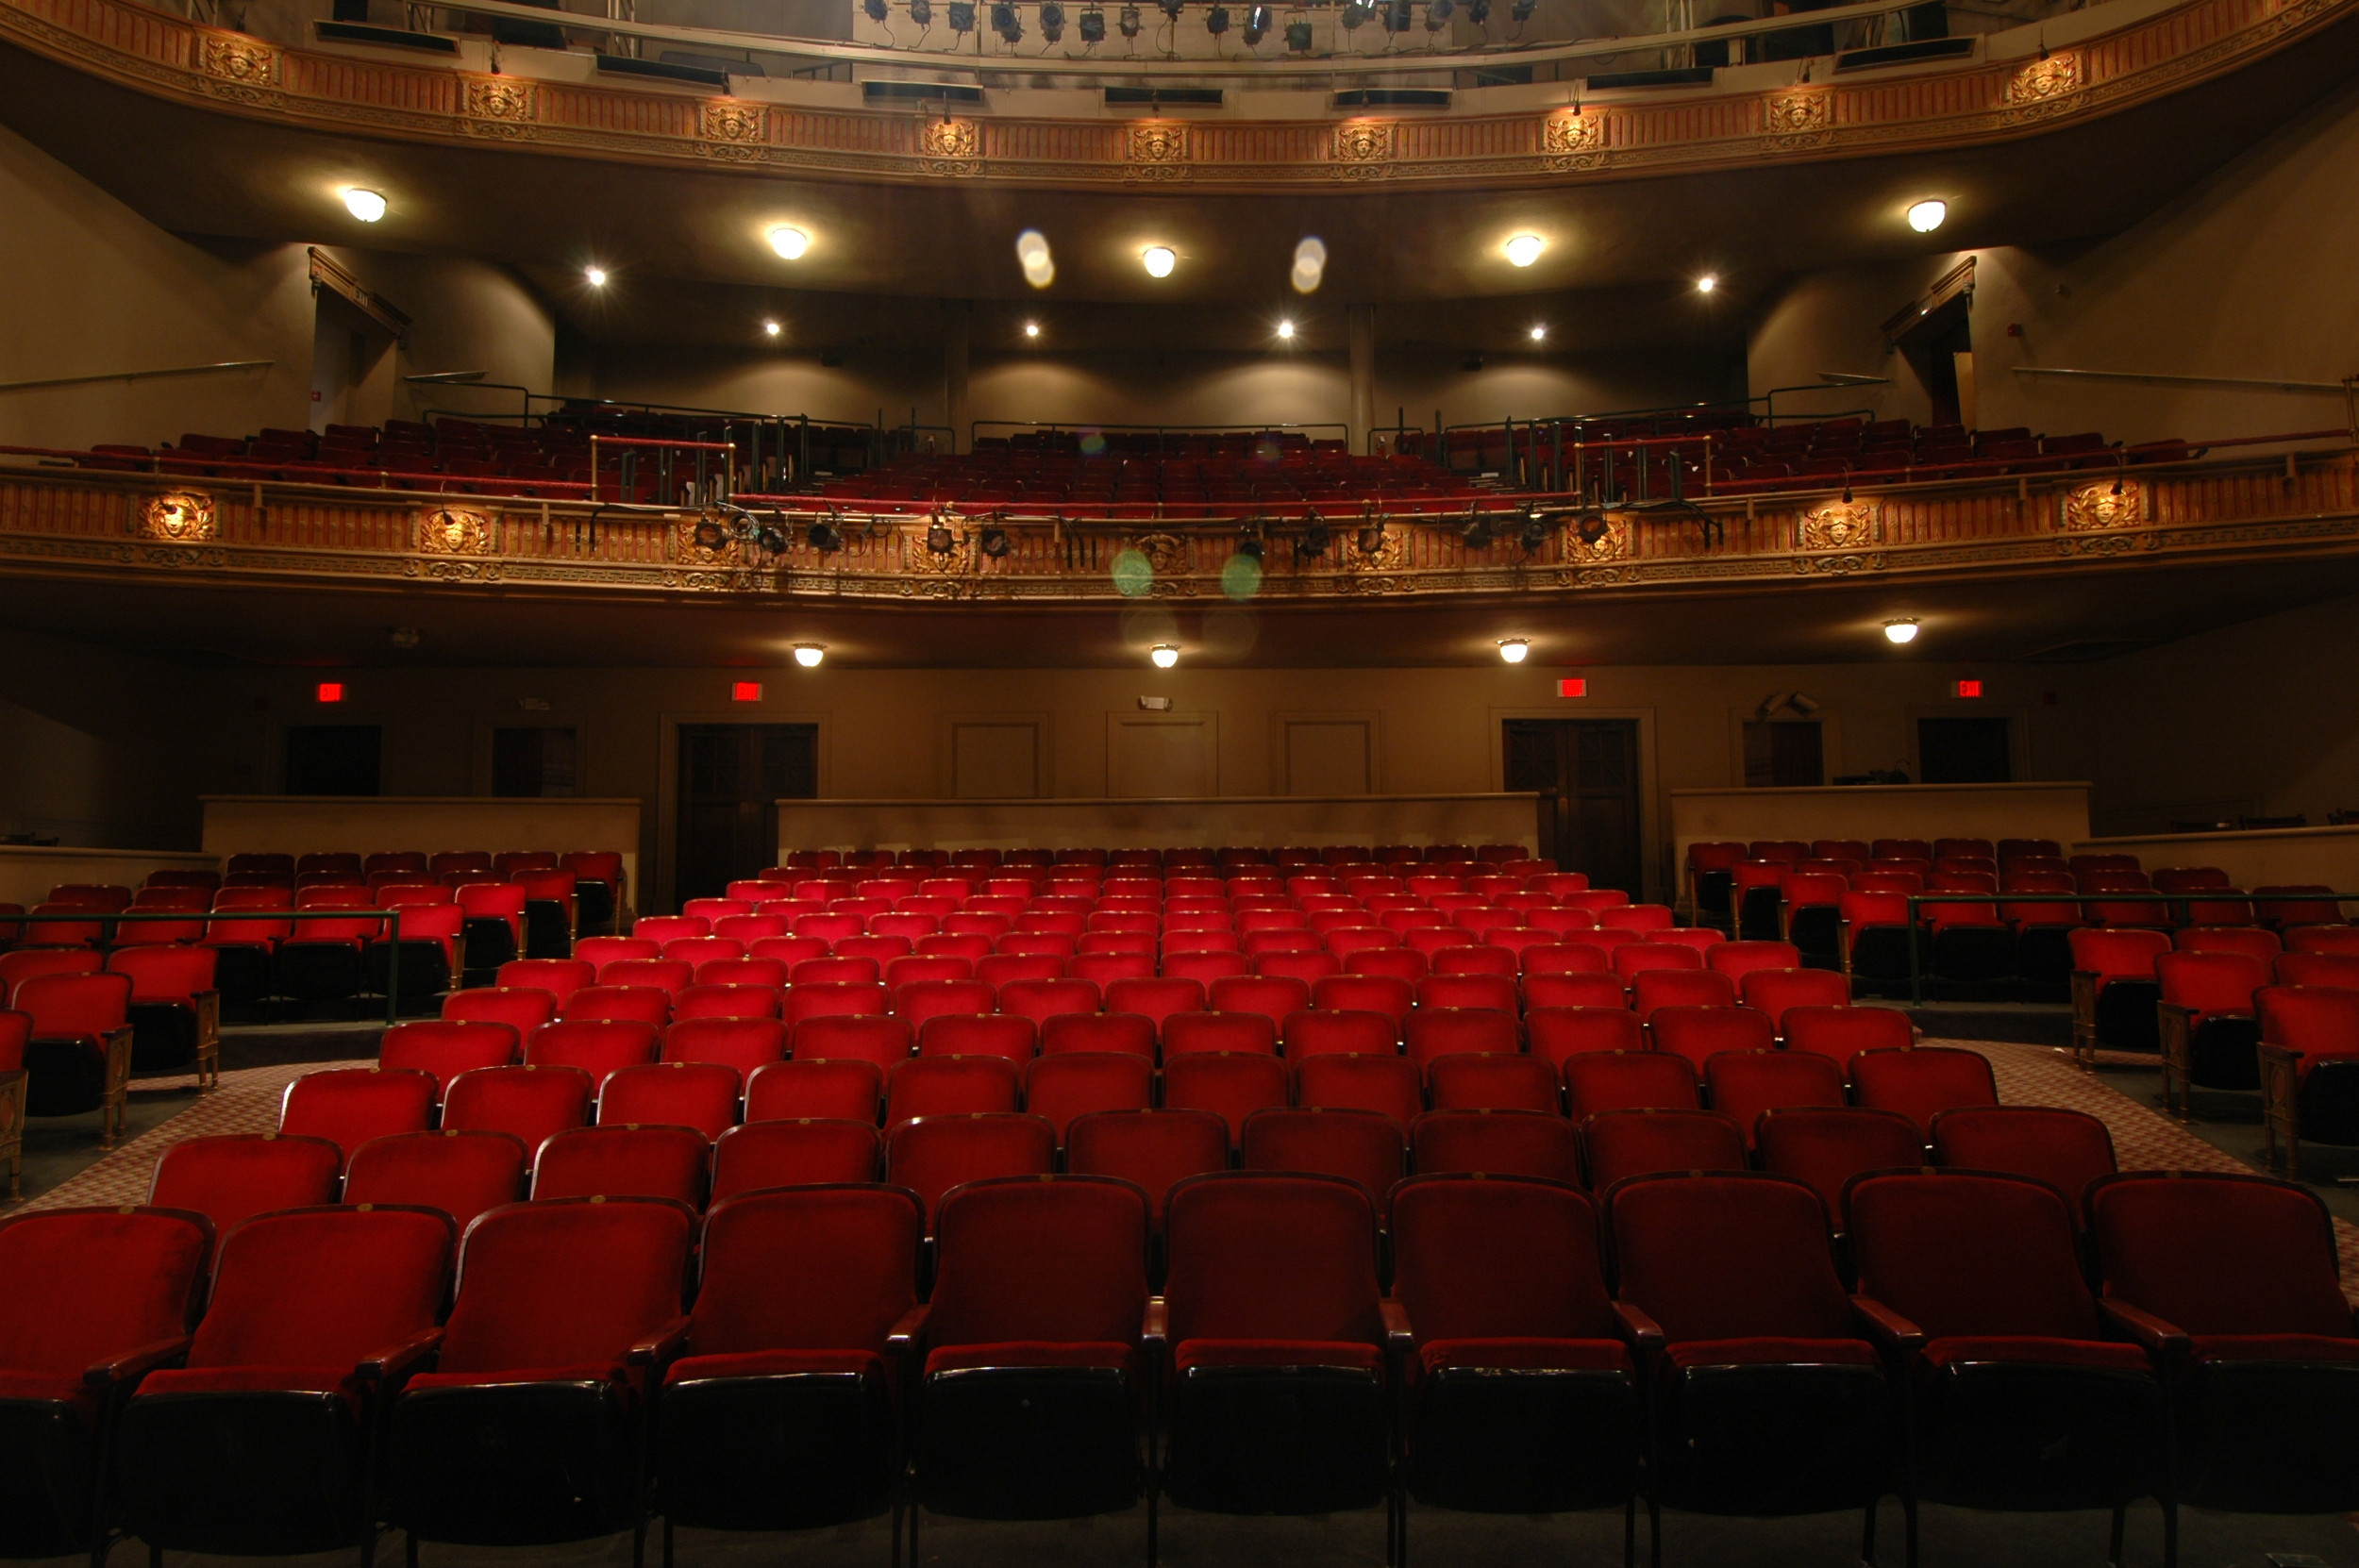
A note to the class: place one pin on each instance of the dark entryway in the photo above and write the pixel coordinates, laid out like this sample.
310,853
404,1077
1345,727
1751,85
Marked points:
1590,768
1784,753
1965,751
729,774
332,760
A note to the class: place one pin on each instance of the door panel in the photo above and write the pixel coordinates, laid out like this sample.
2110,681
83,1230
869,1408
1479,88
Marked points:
729,777
1590,769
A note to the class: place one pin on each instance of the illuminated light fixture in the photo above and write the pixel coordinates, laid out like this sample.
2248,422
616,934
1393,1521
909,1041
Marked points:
1354,14
1256,25
1309,260
367,206
1538,332
1031,329
1576,687
789,241
1514,649
1524,249
808,654
1249,540
1031,253
594,276
1286,330
1966,688
329,690
1904,630
1925,217
744,690
1159,260
771,329
1164,655
1705,284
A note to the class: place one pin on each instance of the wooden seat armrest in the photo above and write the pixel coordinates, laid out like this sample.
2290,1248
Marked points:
1892,1333
134,1364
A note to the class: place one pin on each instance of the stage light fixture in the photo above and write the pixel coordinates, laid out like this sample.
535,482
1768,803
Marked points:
1705,284
1256,25
1031,329
367,206
826,537
1396,16
1313,541
771,329
939,539
1159,260
1129,21
1171,9
1354,14
961,16
992,540
1051,21
1217,20
1298,37
1925,217
1092,26
789,241
1513,649
1538,332
1249,540
922,12
1437,14
1006,23
808,654
1480,533
1903,630
774,537
875,9
594,276
1478,12
1520,12
1535,533
1524,249
1371,537
1164,655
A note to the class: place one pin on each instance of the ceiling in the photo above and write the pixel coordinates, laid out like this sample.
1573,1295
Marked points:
2081,611
690,263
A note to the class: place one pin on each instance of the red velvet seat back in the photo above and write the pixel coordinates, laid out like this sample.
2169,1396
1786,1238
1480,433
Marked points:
815,1087
1775,991
1841,1033
1062,1261
649,1005
1012,1037
1743,1084
1700,1034
1384,1083
1825,1147
1597,1081
930,1154
1922,1083
165,974
521,1008
1493,1080
645,1161
2219,1255
1233,1084
597,1047
462,1173
530,1102
1496,993
324,1287
565,1283
348,1106
1738,959
1124,1033
70,1007
2067,1149
1616,1144
1970,1254
226,1178
1184,1033
1074,1083
669,976
699,1094
1312,1033
1363,1146
1500,1143
559,977
809,1151
1271,1257
87,1285
1651,988
741,1044
950,1086
820,1268
2210,983
1727,1255
1498,1259
1152,1149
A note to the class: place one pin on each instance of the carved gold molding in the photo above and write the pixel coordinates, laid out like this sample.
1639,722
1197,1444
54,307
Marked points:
453,531
2104,506
1157,150
1360,149
184,516
1593,539
1840,526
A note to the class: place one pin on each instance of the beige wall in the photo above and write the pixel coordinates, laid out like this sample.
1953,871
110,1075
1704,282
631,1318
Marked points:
2244,275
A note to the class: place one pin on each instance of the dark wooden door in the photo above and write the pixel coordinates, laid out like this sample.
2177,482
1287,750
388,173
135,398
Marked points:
1587,769
1965,751
729,776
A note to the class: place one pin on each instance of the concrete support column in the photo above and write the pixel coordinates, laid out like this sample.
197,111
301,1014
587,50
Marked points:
957,341
1362,321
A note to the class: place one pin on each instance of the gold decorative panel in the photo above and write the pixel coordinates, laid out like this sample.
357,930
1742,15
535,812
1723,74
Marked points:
1360,149
1841,525
185,516
951,147
1156,150
1574,141
498,106
1593,538
1797,120
2100,506
2044,79
734,130
705,539
955,562
453,531
239,60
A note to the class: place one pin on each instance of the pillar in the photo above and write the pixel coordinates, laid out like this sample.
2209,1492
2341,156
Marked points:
957,340
1362,321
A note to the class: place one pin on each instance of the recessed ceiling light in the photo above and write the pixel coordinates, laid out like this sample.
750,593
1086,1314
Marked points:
1512,649
1524,249
367,206
1538,332
1904,630
1164,655
1705,284
1925,217
596,277
1286,329
771,328
808,654
1031,329
789,242
1159,260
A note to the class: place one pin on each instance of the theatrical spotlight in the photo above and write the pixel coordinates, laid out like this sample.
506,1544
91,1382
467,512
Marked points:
1249,540
1051,21
1396,16
1520,12
1354,14
1217,20
1535,533
1130,22
1092,26
774,537
992,540
939,539
1371,539
1256,25
1298,37
922,12
1172,7
1313,541
875,8
1007,24
1480,533
1478,12
1437,14
961,16
826,537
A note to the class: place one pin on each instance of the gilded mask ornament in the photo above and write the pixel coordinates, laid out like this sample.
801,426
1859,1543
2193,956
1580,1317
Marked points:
2104,506
1157,149
183,516
2044,79
453,531
1594,537
1360,149
732,122
1797,119
501,98
1839,525
239,59
950,147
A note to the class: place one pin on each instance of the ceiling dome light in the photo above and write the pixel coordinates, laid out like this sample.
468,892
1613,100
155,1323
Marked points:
596,277
771,329
1524,249
1159,260
789,242
367,206
1513,649
1286,330
1903,630
1925,217
1031,329
1538,332
1164,655
1705,284
808,654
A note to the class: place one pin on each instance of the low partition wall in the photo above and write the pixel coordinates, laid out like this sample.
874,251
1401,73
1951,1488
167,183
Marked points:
1208,821
2058,812
363,824
2275,857
27,872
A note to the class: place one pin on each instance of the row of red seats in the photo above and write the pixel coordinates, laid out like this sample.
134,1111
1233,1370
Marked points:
1689,1338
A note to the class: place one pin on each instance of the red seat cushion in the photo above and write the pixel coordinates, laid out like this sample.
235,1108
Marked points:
585,1372
1525,1355
339,1381
64,1387
774,1363
2037,1348
1767,1351
1029,1353
2273,1347
1349,1354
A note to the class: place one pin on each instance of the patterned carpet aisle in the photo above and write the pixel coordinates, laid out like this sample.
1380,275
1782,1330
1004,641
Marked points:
2143,1138
247,1101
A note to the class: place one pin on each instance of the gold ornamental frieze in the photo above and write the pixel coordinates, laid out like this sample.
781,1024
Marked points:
955,562
1840,526
241,69
2039,86
703,539
1798,121
499,106
1360,149
453,531
1595,539
951,147
1574,141
733,131
1156,150
1390,555
2091,508
180,516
